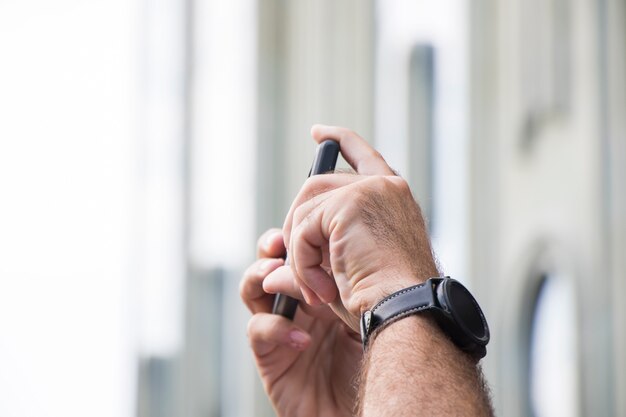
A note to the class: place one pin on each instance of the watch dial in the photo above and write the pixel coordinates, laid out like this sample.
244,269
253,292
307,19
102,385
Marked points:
465,309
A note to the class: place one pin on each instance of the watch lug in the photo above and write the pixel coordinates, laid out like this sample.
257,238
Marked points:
366,320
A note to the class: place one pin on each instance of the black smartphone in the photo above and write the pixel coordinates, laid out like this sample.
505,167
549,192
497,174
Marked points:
324,162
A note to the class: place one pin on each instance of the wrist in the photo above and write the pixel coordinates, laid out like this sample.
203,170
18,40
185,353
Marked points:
371,290
413,362
452,306
417,330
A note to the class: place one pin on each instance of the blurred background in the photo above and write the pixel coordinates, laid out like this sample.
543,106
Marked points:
145,144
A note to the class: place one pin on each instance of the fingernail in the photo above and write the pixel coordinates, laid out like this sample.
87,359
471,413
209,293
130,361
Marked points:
298,339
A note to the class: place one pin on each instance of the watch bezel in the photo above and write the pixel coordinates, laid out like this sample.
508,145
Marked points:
454,316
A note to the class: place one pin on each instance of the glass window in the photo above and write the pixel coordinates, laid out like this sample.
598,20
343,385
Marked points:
554,384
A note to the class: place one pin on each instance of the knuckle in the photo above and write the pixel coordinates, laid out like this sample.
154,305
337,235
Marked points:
374,154
376,183
362,192
257,327
296,235
387,184
287,234
312,183
245,280
262,240
315,185
250,271
251,327
242,288
299,215
345,132
400,184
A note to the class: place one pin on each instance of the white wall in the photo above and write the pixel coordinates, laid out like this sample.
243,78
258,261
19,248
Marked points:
67,108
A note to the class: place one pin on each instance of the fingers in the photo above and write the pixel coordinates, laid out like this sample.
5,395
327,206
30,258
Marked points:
281,281
311,231
270,244
268,331
251,285
315,188
335,213
270,250
355,150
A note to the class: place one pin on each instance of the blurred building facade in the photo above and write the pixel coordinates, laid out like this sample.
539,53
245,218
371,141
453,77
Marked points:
547,200
145,144
510,130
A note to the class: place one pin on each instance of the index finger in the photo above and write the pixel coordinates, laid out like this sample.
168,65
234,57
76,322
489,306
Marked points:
356,151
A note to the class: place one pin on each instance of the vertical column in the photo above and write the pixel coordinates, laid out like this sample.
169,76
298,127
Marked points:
421,127
223,201
162,193
615,165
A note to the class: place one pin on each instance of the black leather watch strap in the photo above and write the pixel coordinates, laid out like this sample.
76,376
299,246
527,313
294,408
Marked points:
400,304
453,307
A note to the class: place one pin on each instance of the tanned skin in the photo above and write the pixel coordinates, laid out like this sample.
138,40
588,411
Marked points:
353,240
411,369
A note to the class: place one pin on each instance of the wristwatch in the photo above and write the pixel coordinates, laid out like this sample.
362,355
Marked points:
453,307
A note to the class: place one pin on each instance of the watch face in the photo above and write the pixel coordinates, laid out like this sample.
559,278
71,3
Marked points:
464,309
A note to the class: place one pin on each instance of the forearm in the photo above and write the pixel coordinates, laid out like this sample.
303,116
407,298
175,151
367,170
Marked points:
411,369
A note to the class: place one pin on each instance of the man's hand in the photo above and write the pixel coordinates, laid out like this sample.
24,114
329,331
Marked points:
368,226
353,240
308,366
